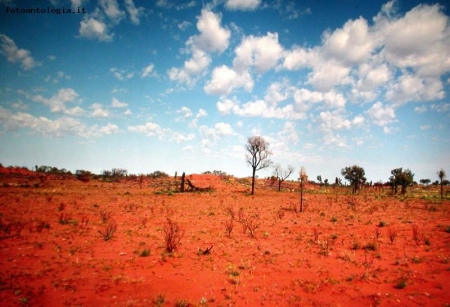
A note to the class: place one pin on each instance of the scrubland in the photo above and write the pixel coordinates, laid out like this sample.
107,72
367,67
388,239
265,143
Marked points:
69,243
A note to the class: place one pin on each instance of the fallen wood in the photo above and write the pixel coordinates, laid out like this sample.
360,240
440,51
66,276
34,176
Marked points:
192,187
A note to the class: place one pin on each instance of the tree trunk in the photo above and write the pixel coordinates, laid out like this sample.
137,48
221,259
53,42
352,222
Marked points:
279,185
442,190
301,196
253,180
182,183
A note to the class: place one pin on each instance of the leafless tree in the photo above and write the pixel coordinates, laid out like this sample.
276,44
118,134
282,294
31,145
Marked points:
258,154
303,179
282,174
441,175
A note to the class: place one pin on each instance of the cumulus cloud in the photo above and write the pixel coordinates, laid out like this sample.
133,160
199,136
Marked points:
212,38
98,110
242,5
192,68
77,3
333,120
92,28
401,57
224,80
179,137
98,24
14,54
185,113
149,129
353,44
418,40
121,75
410,87
58,128
223,129
58,102
115,103
381,115
262,53
211,135
289,133
112,10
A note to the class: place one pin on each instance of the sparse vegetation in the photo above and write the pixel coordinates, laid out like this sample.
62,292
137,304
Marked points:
172,239
172,235
108,231
258,154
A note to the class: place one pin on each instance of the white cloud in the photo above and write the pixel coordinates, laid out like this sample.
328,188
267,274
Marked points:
262,53
112,11
335,120
358,120
296,58
57,102
242,5
77,3
289,134
419,40
401,57
211,135
149,129
381,115
225,106
148,71
201,113
179,137
192,68
184,25
333,139
223,129
134,12
224,80
168,5
184,112
420,109
109,129
98,110
327,74
353,44
115,103
305,99
57,128
93,28
410,87
212,38
121,75
188,148
260,108
441,108
14,54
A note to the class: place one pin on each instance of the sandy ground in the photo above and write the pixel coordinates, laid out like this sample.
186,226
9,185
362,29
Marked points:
367,250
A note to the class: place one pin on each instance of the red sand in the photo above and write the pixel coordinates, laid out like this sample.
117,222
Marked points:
321,257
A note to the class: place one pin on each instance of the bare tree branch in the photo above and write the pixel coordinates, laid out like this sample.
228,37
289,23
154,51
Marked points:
257,157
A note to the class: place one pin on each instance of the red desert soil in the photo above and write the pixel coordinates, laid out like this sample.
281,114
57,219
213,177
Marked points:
53,252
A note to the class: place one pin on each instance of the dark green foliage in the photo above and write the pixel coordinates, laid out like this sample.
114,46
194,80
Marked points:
356,175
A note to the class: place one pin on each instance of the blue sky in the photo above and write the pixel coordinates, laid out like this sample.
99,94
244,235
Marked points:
180,86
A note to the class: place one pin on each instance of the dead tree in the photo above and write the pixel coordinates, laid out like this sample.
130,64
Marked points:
192,187
182,183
